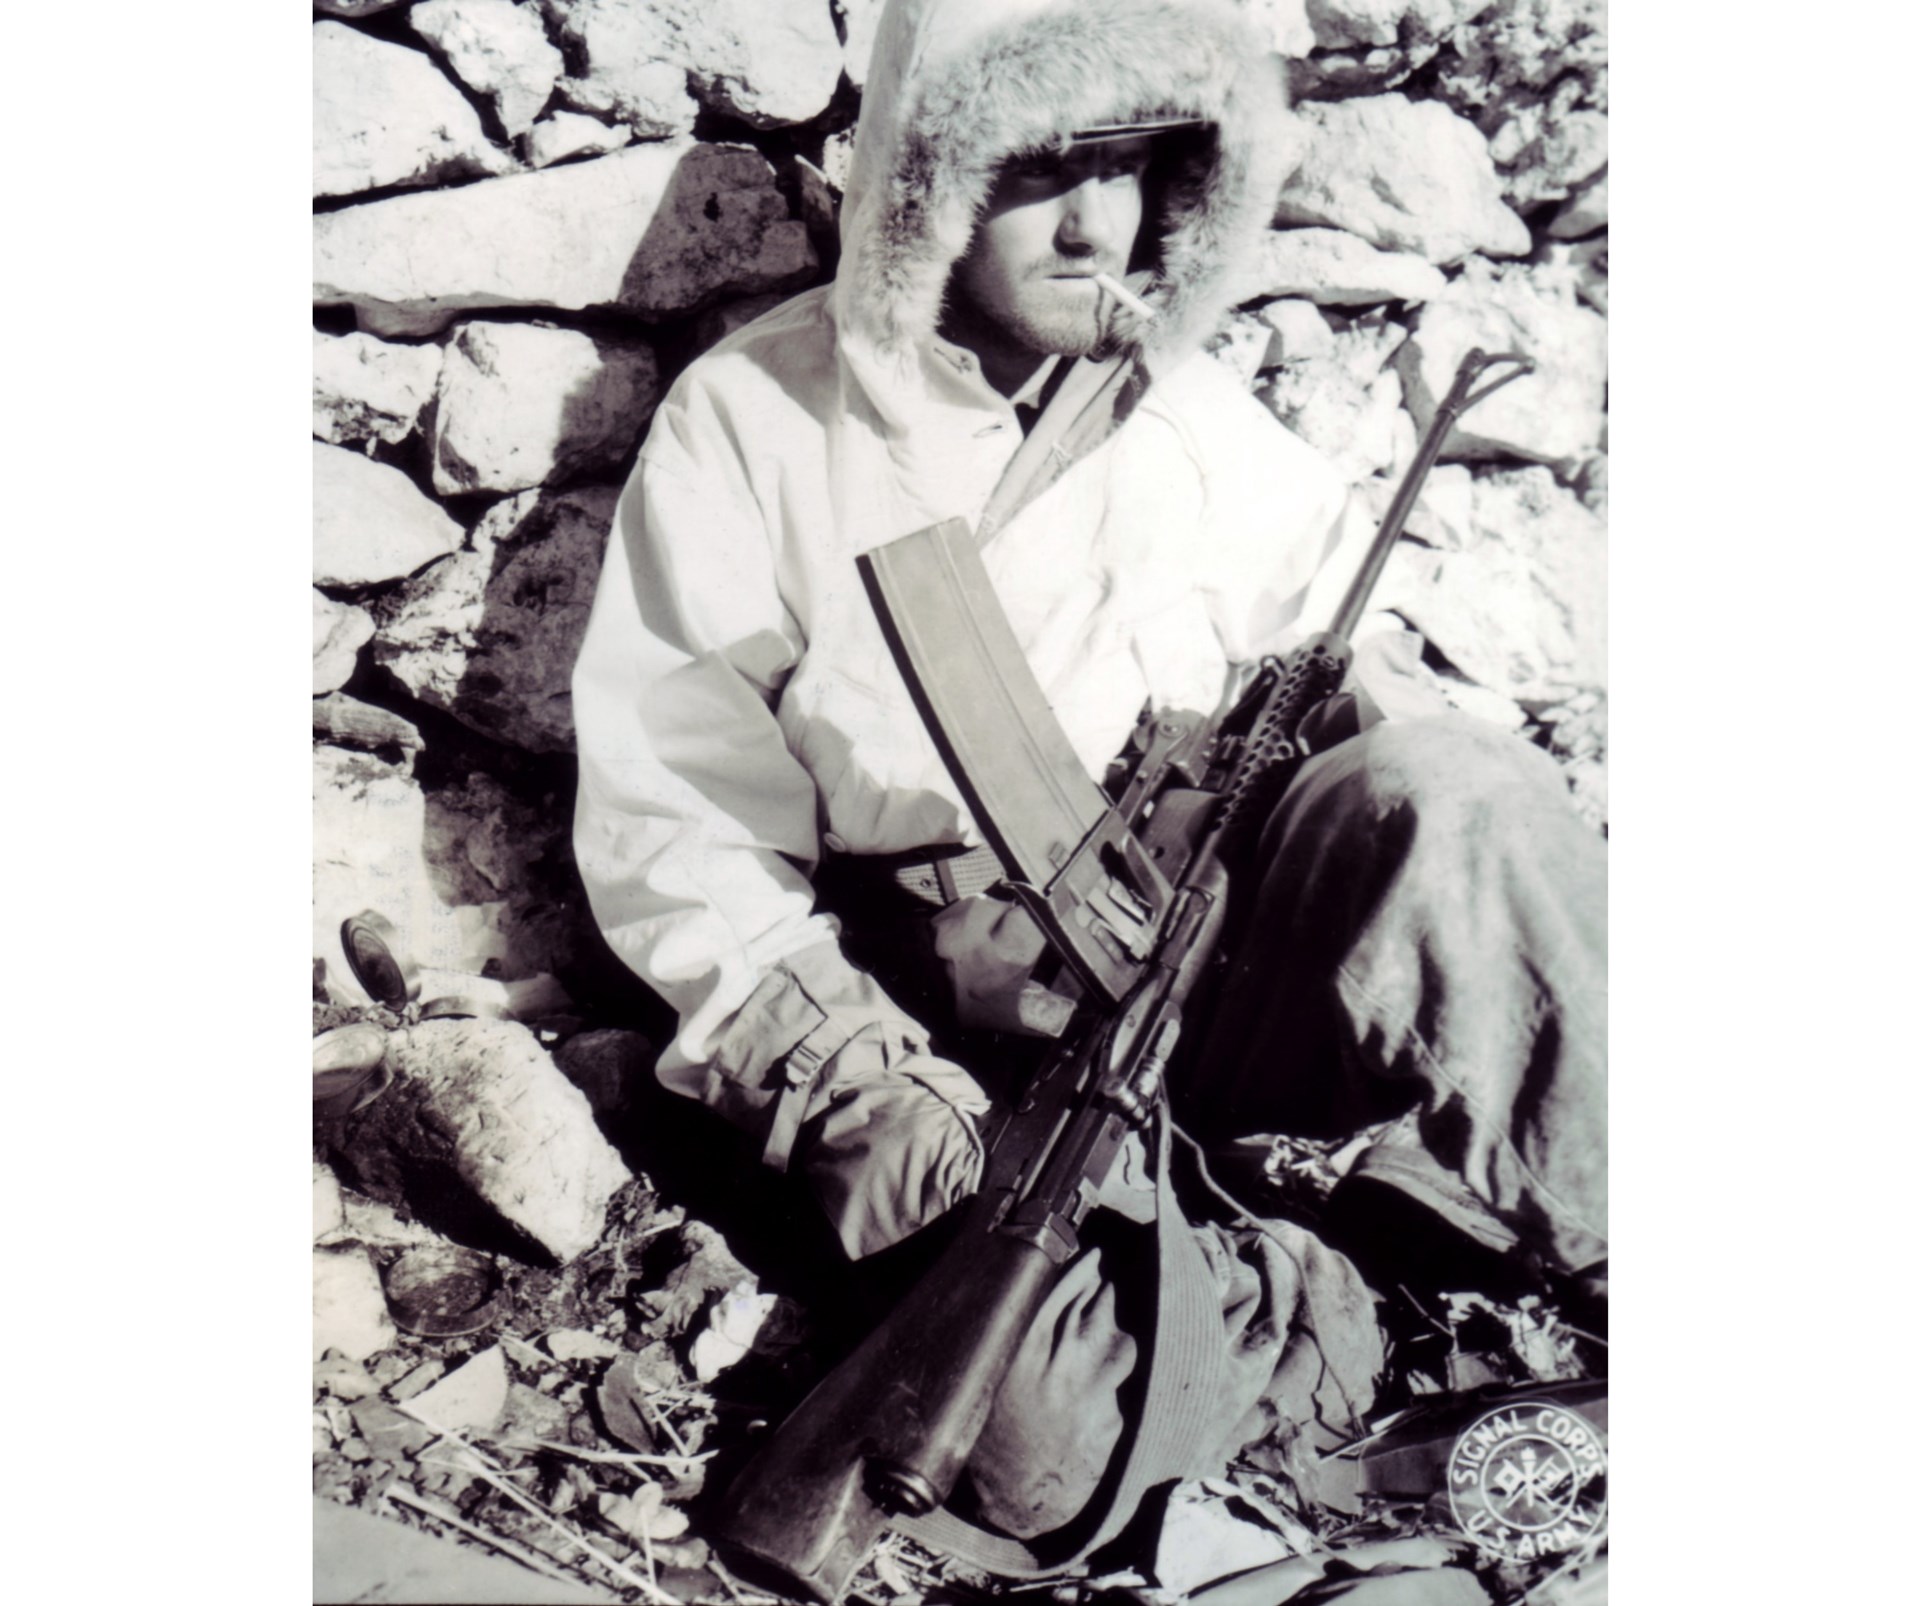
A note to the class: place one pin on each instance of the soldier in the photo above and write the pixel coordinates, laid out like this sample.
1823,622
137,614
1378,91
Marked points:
770,840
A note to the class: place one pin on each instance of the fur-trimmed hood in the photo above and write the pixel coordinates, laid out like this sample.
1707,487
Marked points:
955,86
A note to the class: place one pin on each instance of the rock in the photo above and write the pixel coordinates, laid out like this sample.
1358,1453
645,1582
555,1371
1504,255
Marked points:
470,1398
568,134
369,826
1543,156
607,1065
1522,610
732,1325
1576,270
384,115
328,1212
1201,1538
1335,268
576,1344
522,403
1442,514
1296,332
652,230
369,390
390,1434
339,632
1345,74
1553,414
348,722
342,1378
488,1098
1584,213
1347,404
497,49
625,73
418,1381
487,847
1286,24
355,8
1241,346
349,1311
1406,175
1522,47
859,22
370,522
766,65
491,635
716,323
1340,23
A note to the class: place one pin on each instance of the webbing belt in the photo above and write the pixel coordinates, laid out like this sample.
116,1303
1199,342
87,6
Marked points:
935,877
1185,1353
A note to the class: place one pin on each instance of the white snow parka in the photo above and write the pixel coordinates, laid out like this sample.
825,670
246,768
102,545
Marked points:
736,706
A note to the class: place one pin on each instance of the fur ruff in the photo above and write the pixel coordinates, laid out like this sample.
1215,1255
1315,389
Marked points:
1029,84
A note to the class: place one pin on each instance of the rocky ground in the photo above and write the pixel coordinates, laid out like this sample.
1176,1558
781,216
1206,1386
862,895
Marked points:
528,217
619,1378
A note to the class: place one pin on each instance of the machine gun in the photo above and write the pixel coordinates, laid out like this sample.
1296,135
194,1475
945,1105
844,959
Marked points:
1131,894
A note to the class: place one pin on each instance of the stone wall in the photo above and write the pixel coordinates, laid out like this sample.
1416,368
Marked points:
531,214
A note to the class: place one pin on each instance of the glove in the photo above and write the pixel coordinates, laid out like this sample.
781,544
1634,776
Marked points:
889,1143
988,948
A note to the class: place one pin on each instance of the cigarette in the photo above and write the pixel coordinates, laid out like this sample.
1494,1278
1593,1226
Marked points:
1124,296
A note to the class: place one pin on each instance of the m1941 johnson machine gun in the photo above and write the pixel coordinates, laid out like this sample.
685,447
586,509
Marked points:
1131,894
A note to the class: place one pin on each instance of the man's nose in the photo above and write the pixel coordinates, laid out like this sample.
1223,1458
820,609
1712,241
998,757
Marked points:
1086,219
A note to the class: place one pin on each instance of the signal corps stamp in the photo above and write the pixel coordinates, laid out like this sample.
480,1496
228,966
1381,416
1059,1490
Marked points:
1529,1480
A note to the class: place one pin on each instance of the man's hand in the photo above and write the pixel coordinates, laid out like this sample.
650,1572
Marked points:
988,948
891,1144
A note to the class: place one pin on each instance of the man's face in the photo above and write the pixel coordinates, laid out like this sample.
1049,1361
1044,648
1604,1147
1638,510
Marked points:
1051,222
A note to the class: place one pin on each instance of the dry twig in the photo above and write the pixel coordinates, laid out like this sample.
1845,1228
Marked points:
453,1519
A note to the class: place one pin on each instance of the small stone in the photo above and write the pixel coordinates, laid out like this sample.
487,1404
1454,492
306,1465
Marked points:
1403,175
575,1344
470,1398
654,230
384,115
328,1212
339,632
1585,212
1334,268
1241,346
568,134
370,522
342,1378
390,1434
420,1379
523,403
1341,23
1543,153
369,390
497,49
531,1415
347,722
349,1310
1298,332
1554,414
